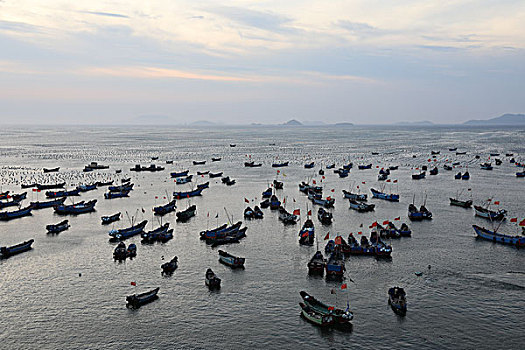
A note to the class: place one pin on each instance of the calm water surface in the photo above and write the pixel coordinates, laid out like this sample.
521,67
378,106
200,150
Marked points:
472,297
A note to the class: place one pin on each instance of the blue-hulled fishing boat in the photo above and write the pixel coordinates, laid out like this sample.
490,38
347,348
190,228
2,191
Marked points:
486,166
57,194
341,317
165,209
220,231
267,193
458,176
78,208
309,165
125,233
386,196
434,171
57,228
109,219
48,204
120,188
204,185
230,260
496,237
331,166
188,194
183,180
86,188
354,196
307,233
179,174
274,202
363,167
324,216
279,165
121,194
360,206
170,266
490,214
186,214
10,215
6,252
397,300
317,264
335,266
419,176
137,300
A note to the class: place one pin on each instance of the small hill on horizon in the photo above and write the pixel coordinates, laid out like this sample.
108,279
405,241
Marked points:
293,122
505,119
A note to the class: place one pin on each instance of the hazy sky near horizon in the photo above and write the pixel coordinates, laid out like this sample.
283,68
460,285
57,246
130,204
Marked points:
362,61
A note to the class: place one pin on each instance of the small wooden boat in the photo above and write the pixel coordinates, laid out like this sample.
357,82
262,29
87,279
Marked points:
324,216
249,213
465,176
187,214
86,188
104,183
125,233
266,203
286,217
179,174
6,252
137,300
447,167
199,162
460,203
278,185
212,175
360,206
188,194
216,159
490,214
51,170
461,153
57,228
335,266
257,213
307,233
151,168
397,300
106,220
120,252
486,166
48,204
434,171
458,176
317,264
252,164
453,149
355,196
419,176
211,280
331,166
309,165
227,181
434,153
28,185
267,193
203,185
315,318
230,260
165,209
496,237
364,167
341,317
169,161
170,266
10,215
131,252
50,186
201,173
279,165
274,203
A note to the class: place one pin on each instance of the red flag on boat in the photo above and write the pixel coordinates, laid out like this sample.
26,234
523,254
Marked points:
386,222
34,189
522,222
514,220
297,212
38,190
327,237
338,240
359,233
388,180
156,197
496,203
363,182
324,177
314,182
187,196
278,171
344,286
395,181
398,218
305,234
333,190
246,200
164,197
133,283
208,215
284,200
309,212
357,186
328,198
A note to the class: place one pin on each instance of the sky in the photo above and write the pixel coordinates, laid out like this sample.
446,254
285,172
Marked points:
240,62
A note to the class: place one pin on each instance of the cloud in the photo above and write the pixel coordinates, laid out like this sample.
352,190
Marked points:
267,21
360,28
105,14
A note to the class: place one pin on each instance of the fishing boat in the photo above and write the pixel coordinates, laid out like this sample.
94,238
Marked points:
360,206
121,194
419,176
447,167
274,203
202,173
309,165
229,182
496,237
150,237
203,185
151,168
48,204
183,180
220,231
321,172
315,318
460,203
86,188
278,185
165,209
417,215
137,300
354,196
258,213
461,153
350,166
57,228
279,165
211,280
486,166
120,252
343,173
403,231
267,193
266,203
106,220
51,170
364,167
58,194
386,196
335,266
215,159
6,252
50,186
453,149
10,203
125,233
381,249
121,188
490,214
231,260
131,252
397,300
316,198
179,174
317,264
498,161
307,233
212,175
341,317
465,176
249,213
104,183
362,248
382,177
170,266
252,164
78,208
329,247
125,180
324,216
95,166
520,174
10,215
286,217
202,162
166,236
458,176
187,214
28,185
306,187
230,237
434,171
331,166
187,194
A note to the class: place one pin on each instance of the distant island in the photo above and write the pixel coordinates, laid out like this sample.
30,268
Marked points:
505,119
295,122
